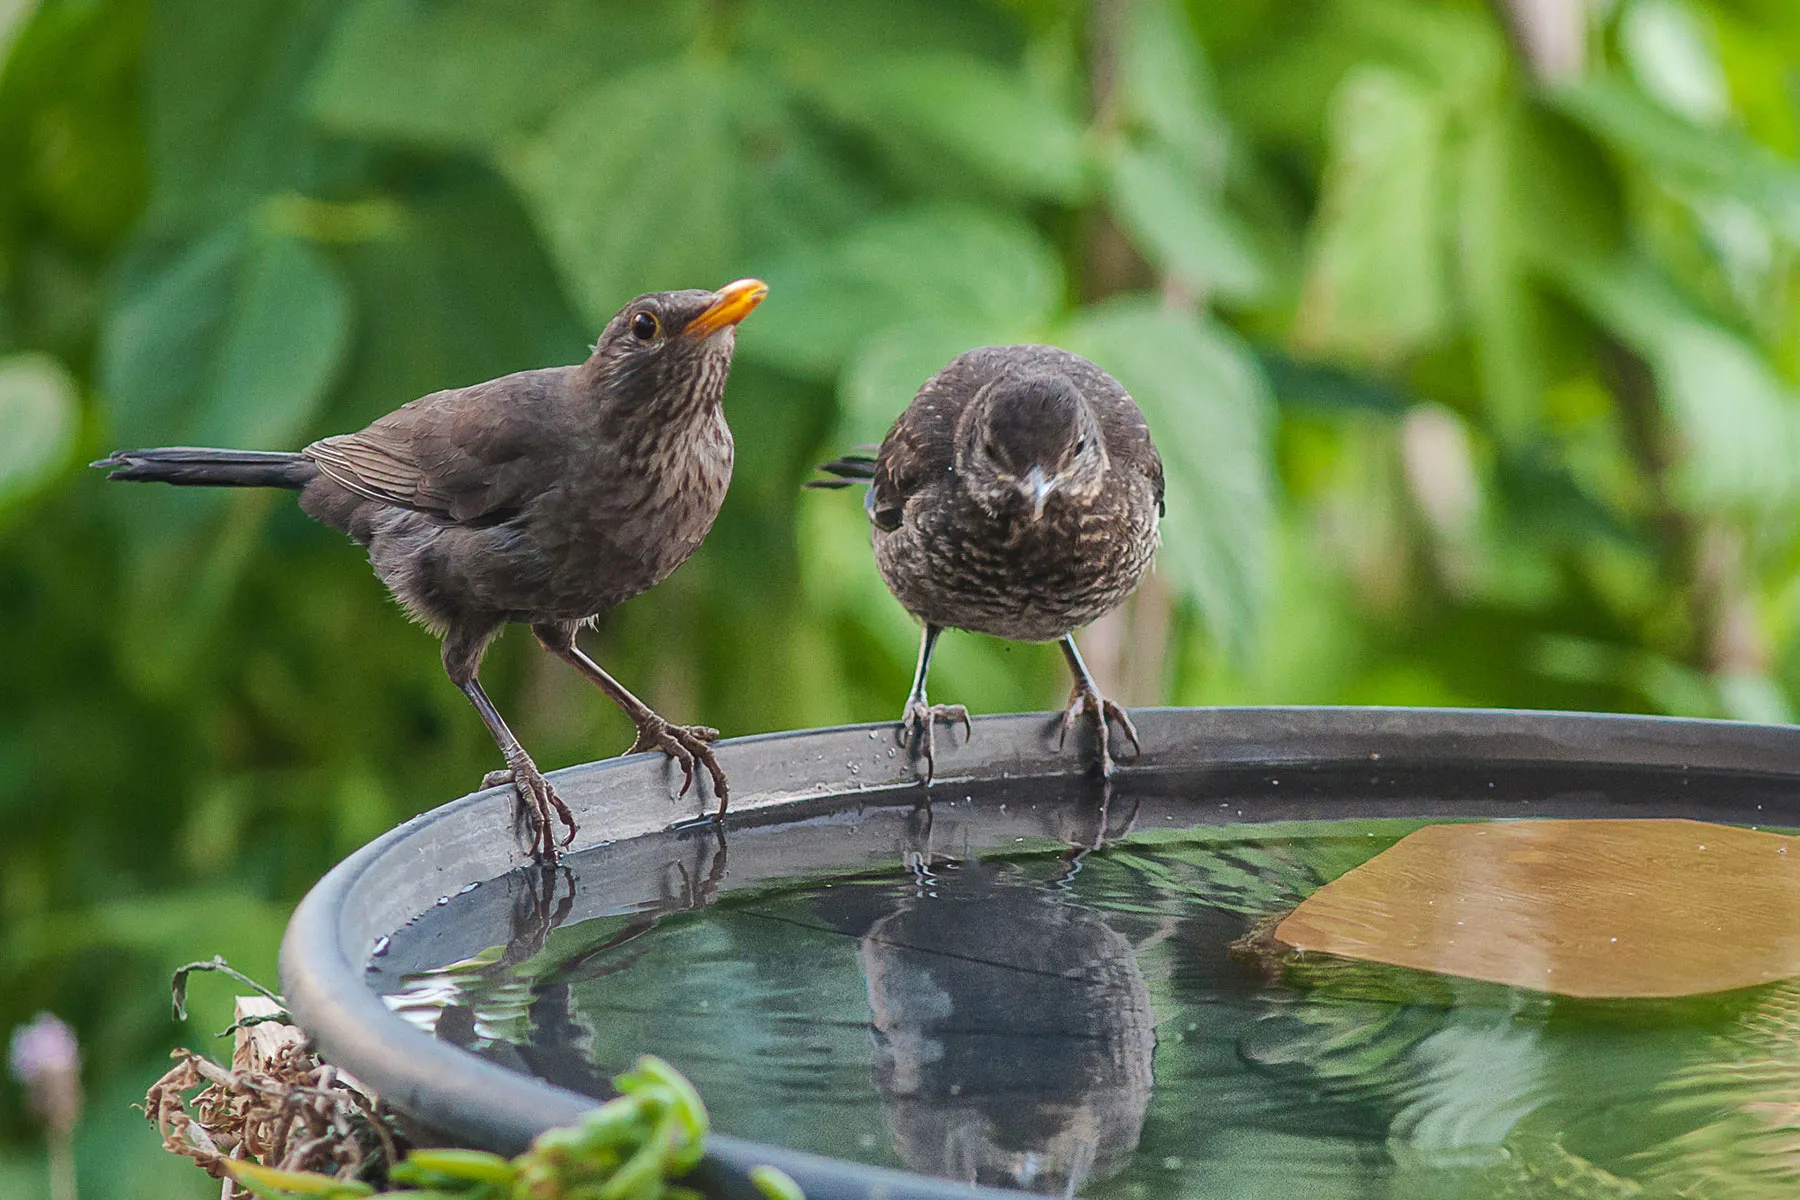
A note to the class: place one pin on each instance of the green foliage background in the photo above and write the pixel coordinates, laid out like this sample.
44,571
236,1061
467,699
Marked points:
1471,340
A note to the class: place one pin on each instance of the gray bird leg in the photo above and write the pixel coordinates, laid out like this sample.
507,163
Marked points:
917,723
686,744
1087,698
462,661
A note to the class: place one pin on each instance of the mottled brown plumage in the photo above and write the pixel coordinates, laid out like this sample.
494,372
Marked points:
541,498
1018,495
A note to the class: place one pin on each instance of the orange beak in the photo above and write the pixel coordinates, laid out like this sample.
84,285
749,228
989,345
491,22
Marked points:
731,304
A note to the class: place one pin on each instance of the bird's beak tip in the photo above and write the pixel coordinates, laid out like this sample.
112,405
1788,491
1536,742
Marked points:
730,304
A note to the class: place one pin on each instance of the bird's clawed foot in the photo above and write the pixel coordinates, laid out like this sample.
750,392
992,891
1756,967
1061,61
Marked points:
918,726
1104,711
686,744
538,802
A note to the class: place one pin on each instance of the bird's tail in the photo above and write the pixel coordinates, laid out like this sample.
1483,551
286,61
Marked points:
190,466
846,472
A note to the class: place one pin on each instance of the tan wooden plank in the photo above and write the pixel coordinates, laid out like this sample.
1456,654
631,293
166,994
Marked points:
1595,909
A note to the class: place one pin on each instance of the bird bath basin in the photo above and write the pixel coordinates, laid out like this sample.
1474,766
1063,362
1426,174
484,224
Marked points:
1044,985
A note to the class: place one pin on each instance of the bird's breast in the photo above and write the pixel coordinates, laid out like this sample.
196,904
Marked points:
954,562
640,515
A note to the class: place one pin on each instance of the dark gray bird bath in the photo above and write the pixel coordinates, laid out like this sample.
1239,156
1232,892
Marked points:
811,801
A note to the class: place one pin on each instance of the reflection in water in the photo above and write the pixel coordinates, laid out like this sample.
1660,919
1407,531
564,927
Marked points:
996,1015
1013,1031
512,1003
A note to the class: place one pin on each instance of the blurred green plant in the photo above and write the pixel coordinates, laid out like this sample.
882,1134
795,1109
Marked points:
626,1149
1469,331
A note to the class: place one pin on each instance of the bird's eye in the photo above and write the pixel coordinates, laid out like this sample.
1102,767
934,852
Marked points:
644,326
1080,444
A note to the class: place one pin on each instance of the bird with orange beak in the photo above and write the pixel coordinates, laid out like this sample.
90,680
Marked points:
1018,495
542,498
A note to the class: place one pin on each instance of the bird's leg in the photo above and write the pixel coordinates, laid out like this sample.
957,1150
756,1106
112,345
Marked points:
686,744
462,659
1087,698
918,722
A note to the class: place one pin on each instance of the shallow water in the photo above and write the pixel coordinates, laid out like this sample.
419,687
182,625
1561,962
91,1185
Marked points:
992,998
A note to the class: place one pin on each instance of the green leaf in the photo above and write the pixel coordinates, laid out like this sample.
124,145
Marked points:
1739,424
972,267
1374,285
1209,411
985,118
1460,52
479,72
1181,227
235,343
1494,276
12,19
222,91
71,136
278,1185
441,1167
840,581
1455,52
1668,52
689,1110
775,1184
634,197
1721,160
279,349
1164,86
888,368
640,204
37,422
815,38
155,341
457,292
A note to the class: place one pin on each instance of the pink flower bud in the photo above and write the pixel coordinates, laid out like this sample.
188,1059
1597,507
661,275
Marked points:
45,1057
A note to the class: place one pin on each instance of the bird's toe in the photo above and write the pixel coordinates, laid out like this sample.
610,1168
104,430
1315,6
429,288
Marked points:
918,729
688,745
1116,712
710,761
539,806
1104,713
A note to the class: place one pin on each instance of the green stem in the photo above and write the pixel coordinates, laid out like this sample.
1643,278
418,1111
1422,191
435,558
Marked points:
61,1144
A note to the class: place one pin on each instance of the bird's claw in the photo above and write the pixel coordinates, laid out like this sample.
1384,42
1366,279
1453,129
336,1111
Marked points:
918,726
686,744
1104,711
537,801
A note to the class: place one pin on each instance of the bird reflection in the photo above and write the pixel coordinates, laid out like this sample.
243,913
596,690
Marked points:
498,1006
1013,1030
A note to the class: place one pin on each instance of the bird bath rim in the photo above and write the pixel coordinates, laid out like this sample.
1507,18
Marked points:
390,881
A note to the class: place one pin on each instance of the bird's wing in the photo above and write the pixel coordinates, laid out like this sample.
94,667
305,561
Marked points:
919,448
471,456
1153,471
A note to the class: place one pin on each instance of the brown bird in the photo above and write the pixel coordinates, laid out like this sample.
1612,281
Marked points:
1018,495
542,498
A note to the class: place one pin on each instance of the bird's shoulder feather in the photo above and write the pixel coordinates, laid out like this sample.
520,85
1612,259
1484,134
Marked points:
919,448
467,456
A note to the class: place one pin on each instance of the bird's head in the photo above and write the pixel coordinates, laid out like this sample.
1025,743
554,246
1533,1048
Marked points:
1028,438
669,352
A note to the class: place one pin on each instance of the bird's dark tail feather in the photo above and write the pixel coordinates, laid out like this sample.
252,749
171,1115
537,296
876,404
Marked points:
190,466
848,471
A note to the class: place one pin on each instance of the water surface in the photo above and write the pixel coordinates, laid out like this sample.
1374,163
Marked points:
1042,994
